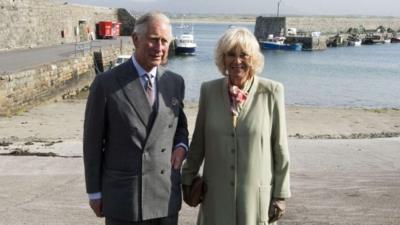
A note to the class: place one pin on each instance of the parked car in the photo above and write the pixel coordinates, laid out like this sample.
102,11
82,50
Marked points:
121,59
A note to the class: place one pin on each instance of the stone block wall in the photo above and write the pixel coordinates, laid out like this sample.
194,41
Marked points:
269,25
323,24
333,25
105,58
39,23
25,89
109,55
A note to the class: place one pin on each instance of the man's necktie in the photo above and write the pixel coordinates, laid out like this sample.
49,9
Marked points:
149,89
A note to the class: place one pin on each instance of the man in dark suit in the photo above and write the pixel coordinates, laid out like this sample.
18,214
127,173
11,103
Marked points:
135,133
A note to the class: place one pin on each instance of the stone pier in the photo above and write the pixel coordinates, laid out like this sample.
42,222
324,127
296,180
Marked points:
40,23
24,89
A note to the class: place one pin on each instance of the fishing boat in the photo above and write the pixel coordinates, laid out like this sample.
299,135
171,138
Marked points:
338,40
184,41
373,39
278,43
354,41
395,39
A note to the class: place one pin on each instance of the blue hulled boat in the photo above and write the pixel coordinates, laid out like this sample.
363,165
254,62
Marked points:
278,43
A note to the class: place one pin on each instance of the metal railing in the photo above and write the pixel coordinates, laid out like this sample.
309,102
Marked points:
82,48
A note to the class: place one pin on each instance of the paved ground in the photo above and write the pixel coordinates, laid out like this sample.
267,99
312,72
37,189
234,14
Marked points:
333,182
16,60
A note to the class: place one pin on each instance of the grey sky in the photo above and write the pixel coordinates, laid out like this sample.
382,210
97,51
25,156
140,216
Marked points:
258,7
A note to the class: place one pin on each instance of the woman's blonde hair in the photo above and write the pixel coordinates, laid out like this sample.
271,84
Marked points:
239,38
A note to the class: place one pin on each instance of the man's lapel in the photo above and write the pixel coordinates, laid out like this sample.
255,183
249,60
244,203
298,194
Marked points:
130,82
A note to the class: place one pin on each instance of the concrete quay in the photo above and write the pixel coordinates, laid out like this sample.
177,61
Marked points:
22,59
333,182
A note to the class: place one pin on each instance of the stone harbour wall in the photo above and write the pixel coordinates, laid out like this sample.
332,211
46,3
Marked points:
24,89
39,23
341,24
109,55
323,24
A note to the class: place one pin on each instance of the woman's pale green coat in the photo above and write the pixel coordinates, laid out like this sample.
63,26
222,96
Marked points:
244,166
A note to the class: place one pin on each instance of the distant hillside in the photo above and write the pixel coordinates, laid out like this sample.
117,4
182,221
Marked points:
212,18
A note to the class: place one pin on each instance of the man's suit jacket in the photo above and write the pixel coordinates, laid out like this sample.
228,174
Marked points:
127,145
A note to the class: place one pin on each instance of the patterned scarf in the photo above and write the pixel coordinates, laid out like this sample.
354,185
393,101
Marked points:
237,98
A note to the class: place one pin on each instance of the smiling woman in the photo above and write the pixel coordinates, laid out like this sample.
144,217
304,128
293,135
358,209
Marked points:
238,55
240,134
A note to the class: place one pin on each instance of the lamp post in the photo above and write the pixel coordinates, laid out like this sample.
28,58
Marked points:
279,3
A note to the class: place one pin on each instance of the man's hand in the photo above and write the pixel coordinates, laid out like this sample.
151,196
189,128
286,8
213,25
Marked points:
97,207
177,157
276,209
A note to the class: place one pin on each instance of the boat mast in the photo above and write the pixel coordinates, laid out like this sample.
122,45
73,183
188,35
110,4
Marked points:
279,3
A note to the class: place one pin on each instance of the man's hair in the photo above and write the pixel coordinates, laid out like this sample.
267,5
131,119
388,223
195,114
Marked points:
142,23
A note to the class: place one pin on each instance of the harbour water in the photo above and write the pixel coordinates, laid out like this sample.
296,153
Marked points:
366,76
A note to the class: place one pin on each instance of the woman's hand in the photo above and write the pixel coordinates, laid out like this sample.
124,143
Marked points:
276,209
194,194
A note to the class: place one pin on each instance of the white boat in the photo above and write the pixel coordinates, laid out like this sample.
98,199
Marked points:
184,42
356,42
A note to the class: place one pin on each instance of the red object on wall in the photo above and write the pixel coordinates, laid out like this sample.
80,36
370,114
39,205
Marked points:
116,28
104,29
